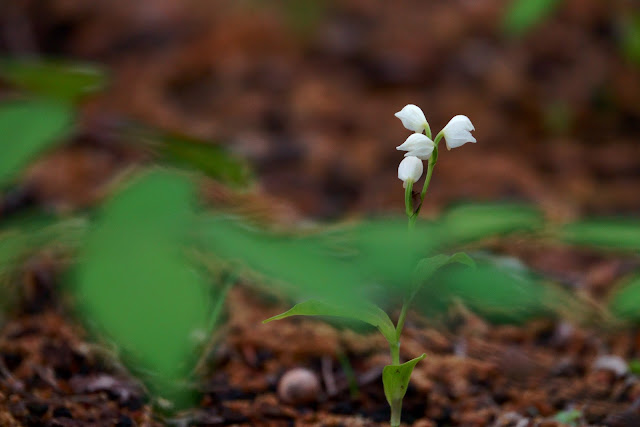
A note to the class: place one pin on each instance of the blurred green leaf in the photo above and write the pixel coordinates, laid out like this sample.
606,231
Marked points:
470,222
494,291
617,234
213,160
522,15
570,417
189,153
631,38
26,128
22,237
624,300
62,80
373,260
428,266
364,312
395,379
134,282
302,264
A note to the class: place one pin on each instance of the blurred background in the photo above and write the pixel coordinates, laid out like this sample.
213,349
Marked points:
306,91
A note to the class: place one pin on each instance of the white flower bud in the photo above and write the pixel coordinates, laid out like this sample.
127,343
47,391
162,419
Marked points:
410,169
417,145
458,132
412,118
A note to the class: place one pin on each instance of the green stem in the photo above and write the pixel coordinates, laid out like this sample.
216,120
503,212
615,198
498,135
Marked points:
408,198
396,412
395,352
432,163
427,130
401,319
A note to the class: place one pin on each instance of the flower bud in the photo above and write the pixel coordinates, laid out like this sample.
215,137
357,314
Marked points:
458,132
410,169
417,145
412,118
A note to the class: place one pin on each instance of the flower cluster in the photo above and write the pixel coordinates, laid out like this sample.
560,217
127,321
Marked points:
419,145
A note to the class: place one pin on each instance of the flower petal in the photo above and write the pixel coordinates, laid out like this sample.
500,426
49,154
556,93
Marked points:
417,145
458,132
412,118
410,168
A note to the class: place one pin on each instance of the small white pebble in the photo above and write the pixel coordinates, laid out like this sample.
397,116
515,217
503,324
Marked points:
615,364
299,386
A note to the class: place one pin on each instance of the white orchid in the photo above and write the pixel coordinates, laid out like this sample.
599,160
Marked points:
410,169
413,118
417,145
458,132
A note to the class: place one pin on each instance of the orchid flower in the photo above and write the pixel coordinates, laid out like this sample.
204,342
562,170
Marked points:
458,132
417,145
413,118
410,169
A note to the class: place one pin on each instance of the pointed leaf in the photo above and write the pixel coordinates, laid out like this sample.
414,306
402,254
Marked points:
624,301
616,234
368,313
523,15
27,128
477,221
135,284
62,80
214,160
395,379
428,266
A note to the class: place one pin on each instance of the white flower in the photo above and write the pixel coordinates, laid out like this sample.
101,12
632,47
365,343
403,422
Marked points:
458,132
410,169
417,145
412,118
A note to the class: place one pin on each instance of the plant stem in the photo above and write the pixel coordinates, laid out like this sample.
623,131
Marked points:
395,352
396,412
408,198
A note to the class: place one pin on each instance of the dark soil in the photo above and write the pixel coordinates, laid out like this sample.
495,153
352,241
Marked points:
557,115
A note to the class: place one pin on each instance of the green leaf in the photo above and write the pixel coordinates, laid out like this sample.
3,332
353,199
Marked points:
368,313
624,301
630,40
523,15
497,292
26,129
62,80
470,222
371,261
616,234
395,379
190,153
569,417
428,266
135,284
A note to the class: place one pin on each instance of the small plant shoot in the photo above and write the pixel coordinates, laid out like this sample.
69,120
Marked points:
419,147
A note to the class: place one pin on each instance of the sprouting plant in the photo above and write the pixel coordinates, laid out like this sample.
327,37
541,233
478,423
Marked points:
419,147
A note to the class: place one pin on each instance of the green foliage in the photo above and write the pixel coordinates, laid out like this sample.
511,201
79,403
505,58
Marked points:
365,312
471,222
616,234
523,15
26,128
624,301
62,80
336,267
134,282
634,366
189,153
395,379
570,417
496,291
631,38
428,266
